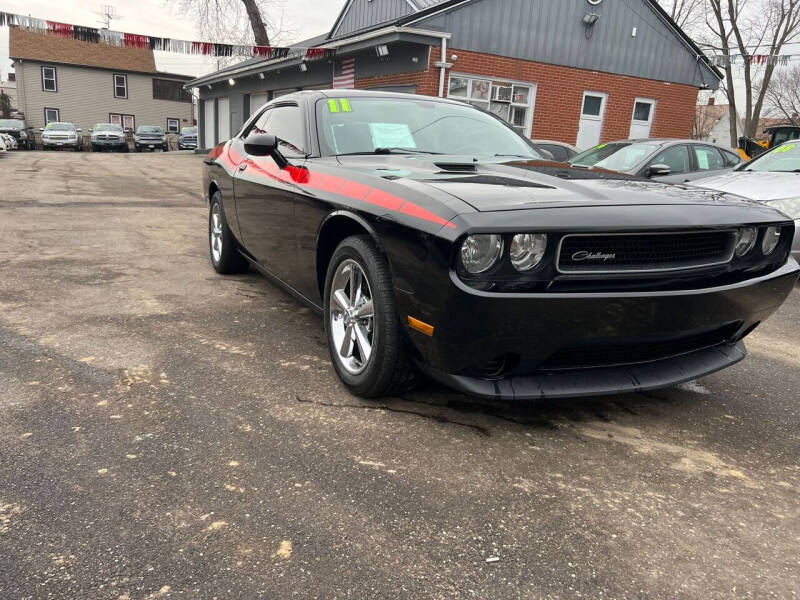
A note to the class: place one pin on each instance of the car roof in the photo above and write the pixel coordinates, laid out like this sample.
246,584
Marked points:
346,93
669,141
556,143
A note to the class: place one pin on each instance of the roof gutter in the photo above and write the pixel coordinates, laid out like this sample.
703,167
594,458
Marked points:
335,44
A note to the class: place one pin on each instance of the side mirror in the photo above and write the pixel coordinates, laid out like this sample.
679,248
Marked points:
657,170
41,128
265,144
79,129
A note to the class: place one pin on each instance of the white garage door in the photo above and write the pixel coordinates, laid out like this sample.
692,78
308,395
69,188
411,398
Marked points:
208,123
257,101
224,119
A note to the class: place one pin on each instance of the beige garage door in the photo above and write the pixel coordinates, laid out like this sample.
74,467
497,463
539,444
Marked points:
208,123
257,101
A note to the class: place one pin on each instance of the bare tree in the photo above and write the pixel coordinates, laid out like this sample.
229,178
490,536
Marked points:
686,13
262,22
751,27
783,95
5,105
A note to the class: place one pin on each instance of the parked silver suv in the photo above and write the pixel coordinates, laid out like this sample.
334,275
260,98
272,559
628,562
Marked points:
61,135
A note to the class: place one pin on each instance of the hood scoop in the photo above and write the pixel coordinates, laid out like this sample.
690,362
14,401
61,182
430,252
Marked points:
457,167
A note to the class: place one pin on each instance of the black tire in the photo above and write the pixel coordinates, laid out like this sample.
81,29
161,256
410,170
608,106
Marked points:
389,369
228,260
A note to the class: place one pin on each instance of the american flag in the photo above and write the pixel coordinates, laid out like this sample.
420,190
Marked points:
344,73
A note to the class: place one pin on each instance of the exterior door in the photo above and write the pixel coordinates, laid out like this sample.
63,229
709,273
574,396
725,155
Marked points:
644,111
265,195
591,124
208,124
224,119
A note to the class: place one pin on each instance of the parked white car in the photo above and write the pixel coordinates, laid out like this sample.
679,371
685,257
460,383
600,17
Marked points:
770,178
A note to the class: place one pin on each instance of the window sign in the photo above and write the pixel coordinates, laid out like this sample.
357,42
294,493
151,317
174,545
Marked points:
392,135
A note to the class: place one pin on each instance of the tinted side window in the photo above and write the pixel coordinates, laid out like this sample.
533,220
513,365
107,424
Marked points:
286,123
708,158
559,152
260,126
675,157
731,159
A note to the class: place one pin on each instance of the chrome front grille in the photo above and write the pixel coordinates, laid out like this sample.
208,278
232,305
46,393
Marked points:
594,254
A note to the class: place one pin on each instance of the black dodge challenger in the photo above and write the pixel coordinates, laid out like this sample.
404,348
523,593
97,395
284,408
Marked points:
432,237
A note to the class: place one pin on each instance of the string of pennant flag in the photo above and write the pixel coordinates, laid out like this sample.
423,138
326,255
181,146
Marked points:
753,59
134,40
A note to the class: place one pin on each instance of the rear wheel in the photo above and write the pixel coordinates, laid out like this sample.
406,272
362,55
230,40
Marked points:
365,339
225,257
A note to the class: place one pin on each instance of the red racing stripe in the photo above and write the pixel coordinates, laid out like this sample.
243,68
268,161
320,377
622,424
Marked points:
328,183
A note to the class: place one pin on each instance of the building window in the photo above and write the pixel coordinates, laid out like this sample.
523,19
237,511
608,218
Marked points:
169,89
125,121
120,86
173,125
49,83
509,100
51,115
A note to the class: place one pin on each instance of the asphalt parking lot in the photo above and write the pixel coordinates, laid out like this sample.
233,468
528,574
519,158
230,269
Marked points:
166,432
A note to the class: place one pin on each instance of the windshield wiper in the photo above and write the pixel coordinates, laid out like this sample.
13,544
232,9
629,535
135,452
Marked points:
390,150
514,156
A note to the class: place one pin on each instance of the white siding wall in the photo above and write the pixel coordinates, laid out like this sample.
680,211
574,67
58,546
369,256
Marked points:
86,96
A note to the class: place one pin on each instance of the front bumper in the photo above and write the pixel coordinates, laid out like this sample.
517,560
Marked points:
109,143
473,329
60,143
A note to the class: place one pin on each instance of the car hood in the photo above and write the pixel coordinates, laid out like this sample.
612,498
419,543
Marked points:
755,185
495,185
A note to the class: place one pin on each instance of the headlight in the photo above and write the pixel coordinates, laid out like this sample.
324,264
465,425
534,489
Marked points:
746,239
136,138
789,206
23,135
527,250
771,238
163,137
480,252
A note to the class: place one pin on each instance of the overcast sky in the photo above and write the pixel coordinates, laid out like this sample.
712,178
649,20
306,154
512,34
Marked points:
158,18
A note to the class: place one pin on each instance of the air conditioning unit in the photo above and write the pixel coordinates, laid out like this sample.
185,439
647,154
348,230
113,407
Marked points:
501,93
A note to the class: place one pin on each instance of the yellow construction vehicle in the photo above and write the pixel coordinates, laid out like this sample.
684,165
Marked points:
778,134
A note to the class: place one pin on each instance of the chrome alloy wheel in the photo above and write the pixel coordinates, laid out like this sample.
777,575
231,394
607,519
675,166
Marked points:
216,233
352,317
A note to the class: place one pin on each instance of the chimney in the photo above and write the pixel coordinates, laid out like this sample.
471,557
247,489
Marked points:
711,101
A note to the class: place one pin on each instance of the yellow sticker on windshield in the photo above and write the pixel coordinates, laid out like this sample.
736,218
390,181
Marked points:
333,106
786,148
346,105
601,146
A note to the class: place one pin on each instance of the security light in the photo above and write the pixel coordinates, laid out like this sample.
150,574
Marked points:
303,67
590,19
382,50
231,82
261,76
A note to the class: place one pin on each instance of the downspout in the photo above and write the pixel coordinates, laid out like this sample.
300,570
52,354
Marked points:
443,65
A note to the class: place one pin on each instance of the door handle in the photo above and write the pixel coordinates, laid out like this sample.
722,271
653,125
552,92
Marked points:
242,166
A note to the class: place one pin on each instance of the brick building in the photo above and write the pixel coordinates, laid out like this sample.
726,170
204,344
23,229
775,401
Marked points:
578,71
